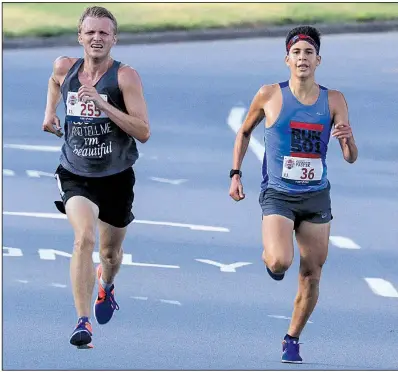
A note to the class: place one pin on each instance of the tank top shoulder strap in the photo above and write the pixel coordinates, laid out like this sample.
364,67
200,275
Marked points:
286,92
73,70
323,93
284,84
114,69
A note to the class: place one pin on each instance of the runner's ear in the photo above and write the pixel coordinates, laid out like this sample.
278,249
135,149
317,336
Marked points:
287,60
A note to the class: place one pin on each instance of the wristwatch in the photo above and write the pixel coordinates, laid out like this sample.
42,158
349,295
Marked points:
235,171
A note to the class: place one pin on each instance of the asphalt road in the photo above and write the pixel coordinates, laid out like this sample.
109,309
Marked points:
193,292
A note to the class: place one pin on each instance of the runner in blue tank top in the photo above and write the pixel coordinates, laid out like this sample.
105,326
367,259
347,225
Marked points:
105,114
299,117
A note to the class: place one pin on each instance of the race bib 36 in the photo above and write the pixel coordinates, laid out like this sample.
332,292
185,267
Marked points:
302,170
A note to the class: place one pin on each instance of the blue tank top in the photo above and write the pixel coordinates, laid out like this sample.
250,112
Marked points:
296,145
94,145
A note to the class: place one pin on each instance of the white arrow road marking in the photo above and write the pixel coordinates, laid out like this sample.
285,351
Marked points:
128,260
51,254
230,268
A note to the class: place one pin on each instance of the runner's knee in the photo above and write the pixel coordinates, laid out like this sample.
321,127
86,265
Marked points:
310,272
84,242
111,254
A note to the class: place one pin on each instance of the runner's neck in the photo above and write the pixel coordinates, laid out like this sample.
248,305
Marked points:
303,90
93,69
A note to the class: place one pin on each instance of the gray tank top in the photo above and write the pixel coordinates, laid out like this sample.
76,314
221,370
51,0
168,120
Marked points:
94,145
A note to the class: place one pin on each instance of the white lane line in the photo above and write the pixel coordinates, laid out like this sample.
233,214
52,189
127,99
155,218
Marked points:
32,147
235,120
171,302
343,242
285,317
382,287
37,215
42,148
38,174
139,298
189,226
167,180
57,285
8,172
22,281
12,252
151,265
147,222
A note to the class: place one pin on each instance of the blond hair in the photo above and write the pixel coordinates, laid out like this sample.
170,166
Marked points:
97,12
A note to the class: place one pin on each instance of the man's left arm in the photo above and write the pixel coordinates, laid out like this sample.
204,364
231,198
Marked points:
342,128
135,123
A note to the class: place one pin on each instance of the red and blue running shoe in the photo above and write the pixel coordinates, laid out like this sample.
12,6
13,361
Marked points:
105,304
83,333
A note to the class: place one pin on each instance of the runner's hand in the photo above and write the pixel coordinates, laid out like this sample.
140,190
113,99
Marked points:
236,189
52,124
87,93
342,130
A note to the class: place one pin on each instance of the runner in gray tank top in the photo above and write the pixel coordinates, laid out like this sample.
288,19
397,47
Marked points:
105,113
299,117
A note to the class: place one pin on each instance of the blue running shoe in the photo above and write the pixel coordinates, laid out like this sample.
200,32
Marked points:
291,352
105,304
81,336
275,276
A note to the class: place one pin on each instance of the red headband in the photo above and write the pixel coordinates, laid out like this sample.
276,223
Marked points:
295,39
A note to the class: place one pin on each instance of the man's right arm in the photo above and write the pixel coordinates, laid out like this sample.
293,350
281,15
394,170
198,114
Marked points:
61,67
254,116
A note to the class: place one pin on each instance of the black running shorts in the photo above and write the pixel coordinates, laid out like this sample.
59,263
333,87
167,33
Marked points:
313,206
113,194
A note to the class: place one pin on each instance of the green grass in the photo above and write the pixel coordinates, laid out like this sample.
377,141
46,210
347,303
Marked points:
46,19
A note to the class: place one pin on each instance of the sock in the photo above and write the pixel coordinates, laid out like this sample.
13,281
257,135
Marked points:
290,338
104,285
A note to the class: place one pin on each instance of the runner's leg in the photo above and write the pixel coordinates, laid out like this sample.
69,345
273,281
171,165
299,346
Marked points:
110,250
313,241
277,232
82,214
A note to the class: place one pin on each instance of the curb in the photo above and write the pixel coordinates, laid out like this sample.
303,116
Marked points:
202,35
